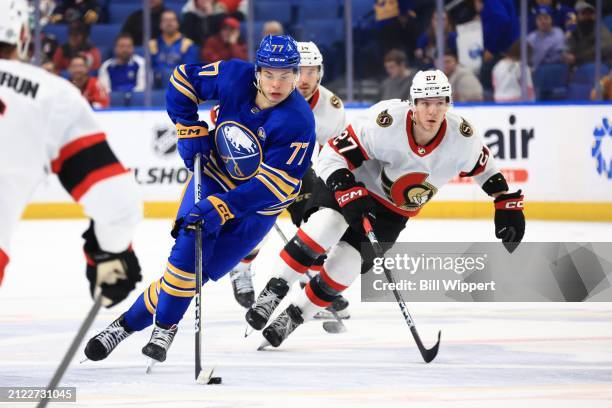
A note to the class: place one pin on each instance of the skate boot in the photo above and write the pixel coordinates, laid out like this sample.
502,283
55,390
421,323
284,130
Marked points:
283,325
160,342
101,345
339,305
242,283
269,298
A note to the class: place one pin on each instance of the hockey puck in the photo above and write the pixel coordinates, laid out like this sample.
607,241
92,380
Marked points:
214,380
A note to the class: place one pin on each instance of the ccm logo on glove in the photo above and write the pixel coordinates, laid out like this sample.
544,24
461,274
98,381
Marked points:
346,196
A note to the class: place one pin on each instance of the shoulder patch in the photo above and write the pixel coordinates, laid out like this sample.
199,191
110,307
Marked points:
335,101
384,119
465,128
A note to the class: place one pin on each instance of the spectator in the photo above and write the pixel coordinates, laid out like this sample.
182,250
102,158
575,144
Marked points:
581,41
170,49
126,71
560,14
235,8
465,85
134,24
426,49
395,25
272,27
201,19
399,76
89,86
606,88
547,42
48,66
227,44
68,11
507,77
469,39
78,44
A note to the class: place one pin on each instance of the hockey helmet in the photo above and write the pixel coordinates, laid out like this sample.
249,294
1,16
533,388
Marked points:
14,17
430,84
310,56
277,51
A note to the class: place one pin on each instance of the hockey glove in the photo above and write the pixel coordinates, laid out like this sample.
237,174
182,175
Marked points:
212,211
115,274
352,197
509,219
193,138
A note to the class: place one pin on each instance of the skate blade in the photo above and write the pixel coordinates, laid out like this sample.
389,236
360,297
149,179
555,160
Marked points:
150,365
328,315
248,331
205,375
334,327
263,345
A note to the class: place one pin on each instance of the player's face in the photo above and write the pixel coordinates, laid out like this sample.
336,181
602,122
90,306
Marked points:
309,80
429,113
276,84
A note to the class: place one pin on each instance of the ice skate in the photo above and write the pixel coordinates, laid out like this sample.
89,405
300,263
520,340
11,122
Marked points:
160,342
101,345
283,325
269,298
242,284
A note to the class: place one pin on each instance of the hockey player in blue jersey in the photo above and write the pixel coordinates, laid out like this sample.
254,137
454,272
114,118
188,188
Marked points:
252,169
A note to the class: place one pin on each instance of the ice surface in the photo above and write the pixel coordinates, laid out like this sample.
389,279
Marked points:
491,355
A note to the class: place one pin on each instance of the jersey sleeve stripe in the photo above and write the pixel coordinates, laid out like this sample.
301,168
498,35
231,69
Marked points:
266,182
278,182
183,78
282,174
96,176
184,90
75,146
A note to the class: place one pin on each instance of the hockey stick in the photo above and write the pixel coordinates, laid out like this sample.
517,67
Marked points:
329,326
428,354
61,369
201,376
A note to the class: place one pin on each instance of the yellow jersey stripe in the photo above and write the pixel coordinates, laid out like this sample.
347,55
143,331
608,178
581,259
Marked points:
271,187
279,182
181,76
222,176
184,90
178,282
175,292
281,173
180,272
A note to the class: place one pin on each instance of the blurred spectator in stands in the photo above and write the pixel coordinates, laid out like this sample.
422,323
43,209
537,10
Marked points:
201,19
235,8
78,44
547,42
464,83
581,41
46,11
507,77
48,66
272,27
89,86
426,49
606,88
134,24
560,13
68,11
470,44
500,29
125,72
395,25
399,76
227,44
170,49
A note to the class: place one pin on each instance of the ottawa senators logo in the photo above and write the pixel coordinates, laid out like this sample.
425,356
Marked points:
336,102
409,192
465,128
384,119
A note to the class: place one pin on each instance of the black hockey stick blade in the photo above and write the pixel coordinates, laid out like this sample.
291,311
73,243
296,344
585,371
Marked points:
427,354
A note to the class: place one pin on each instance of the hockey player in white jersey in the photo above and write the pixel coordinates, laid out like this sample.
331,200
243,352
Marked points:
47,126
386,165
330,121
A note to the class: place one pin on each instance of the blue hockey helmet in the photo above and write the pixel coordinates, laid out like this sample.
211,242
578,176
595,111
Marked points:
278,51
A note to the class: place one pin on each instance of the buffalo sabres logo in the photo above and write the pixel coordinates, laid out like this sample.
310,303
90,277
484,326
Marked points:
409,192
384,119
465,128
239,149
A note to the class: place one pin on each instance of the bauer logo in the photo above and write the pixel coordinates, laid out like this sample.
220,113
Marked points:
164,141
602,149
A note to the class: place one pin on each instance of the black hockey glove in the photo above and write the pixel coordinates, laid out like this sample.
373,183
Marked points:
352,197
115,274
509,219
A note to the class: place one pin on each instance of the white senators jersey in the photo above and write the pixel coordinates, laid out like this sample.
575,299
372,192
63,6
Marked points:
380,149
46,126
328,110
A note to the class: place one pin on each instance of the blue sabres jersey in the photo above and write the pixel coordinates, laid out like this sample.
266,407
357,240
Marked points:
258,156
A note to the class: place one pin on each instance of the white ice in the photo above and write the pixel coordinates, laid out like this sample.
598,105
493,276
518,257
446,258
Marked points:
492,354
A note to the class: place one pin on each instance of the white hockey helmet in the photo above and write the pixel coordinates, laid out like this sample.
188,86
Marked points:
15,17
430,84
310,56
